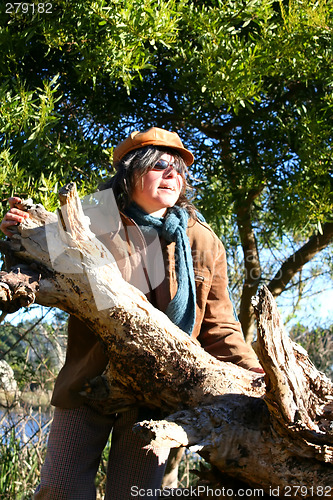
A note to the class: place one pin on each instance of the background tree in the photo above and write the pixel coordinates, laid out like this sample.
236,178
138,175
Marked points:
247,85
318,343
35,349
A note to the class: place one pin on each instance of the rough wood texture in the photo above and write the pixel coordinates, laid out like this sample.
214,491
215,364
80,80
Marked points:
283,440
138,338
274,436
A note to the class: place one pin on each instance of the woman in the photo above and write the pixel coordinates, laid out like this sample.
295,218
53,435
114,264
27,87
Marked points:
150,190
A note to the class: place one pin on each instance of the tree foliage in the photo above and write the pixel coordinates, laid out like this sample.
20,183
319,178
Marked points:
318,343
35,350
247,85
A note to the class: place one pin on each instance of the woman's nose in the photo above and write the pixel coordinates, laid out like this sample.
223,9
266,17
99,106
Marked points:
170,172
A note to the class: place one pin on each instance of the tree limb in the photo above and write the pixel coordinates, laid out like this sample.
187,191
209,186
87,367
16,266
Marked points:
220,408
295,262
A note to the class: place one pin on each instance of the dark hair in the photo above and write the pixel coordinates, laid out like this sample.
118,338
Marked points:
139,162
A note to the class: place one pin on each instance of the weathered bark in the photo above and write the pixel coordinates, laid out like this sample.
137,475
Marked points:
137,337
274,436
283,440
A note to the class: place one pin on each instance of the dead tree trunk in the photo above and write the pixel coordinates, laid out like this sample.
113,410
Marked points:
282,442
276,434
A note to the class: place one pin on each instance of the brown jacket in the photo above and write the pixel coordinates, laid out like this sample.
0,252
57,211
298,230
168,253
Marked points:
216,328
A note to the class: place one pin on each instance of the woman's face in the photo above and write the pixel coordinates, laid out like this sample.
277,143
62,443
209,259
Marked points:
158,189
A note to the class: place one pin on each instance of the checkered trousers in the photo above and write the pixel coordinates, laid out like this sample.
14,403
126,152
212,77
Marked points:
77,439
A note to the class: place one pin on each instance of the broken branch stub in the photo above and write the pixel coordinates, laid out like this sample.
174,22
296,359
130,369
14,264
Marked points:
282,441
298,395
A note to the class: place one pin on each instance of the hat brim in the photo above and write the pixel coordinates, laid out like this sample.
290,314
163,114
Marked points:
152,137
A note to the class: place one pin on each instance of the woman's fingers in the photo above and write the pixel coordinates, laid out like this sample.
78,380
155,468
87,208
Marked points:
13,200
5,224
12,218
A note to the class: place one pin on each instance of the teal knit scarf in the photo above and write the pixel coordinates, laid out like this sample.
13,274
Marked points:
172,227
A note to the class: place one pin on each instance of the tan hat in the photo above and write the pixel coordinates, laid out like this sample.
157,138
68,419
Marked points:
152,137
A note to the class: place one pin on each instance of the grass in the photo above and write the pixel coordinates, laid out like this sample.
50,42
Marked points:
24,430
24,423
19,466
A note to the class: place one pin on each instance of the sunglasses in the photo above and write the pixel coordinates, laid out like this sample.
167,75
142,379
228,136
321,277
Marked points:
163,165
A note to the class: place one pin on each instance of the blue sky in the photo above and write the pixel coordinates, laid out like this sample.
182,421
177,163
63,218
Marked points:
316,310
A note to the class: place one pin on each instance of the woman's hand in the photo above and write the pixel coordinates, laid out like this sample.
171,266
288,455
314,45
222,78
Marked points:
13,217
